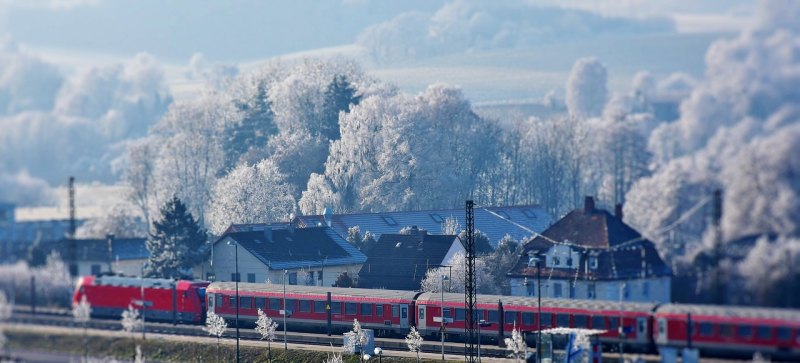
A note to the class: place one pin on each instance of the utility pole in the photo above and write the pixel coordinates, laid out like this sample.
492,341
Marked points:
469,288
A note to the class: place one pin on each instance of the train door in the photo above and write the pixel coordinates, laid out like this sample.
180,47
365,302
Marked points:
641,329
661,334
404,316
421,317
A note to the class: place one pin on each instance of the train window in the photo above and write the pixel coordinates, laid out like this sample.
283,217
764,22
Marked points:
274,304
581,321
706,329
726,330
366,309
510,317
461,315
744,331
547,319
290,304
319,306
261,303
764,332
395,311
447,313
379,310
218,299
527,318
421,314
562,321
336,307
305,306
494,316
784,334
598,322
350,308
613,323
246,302
479,315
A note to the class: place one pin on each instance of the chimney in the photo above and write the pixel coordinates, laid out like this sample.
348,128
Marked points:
588,204
328,215
618,211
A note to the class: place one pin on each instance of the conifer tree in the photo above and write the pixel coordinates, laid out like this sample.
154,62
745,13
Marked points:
176,243
249,136
339,95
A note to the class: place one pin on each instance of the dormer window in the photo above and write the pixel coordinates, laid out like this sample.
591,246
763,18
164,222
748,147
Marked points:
593,262
556,261
569,261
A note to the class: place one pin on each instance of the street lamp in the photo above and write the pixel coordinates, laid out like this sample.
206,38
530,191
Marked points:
285,345
441,330
236,262
141,286
379,352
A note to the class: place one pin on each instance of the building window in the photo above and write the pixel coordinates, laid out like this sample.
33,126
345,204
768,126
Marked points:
556,261
319,277
251,277
593,262
646,289
531,288
389,220
590,291
95,269
235,277
209,276
557,290
569,261
626,291
571,289
292,278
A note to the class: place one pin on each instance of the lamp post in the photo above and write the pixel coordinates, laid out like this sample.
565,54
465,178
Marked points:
539,308
236,262
379,352
441,330
141,292
620,327
285,345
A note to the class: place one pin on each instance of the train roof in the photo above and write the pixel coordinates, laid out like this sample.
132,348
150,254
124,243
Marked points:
314,290
731,312
525,301
150,283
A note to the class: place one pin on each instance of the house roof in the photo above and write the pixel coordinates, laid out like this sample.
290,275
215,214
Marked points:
495,222
400,261
280,246
621,252
96,249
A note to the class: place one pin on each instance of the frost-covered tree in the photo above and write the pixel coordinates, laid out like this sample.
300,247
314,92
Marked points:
501,260
516,345
131,322
769,271
250,194
81,313
356,339
177,243
344,280
586,88
266,328
414,341
121,221
458,265
6,309
139,175
215,326
450,226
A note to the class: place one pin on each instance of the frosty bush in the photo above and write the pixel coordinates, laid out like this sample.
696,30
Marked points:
53,283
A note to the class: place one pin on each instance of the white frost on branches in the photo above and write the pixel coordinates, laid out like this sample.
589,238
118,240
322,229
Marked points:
250,194
131,320
586,88
414,341
458,264
6,307
516,344
82,311
356,338
215,325
265,326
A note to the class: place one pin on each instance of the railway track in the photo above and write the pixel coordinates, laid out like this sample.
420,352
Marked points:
63,318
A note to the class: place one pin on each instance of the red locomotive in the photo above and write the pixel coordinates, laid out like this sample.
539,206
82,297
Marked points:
163,299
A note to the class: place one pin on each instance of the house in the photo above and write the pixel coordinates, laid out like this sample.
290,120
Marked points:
400,261
592,254
494,222
20,227
109,255
308,256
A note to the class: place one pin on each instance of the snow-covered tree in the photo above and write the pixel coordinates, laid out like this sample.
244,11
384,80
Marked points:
131,322
458,265
414,341
356,339
250,194
266,327
121,221
586,88
334,357
450,226
177,242
215,326
81,313
516,344
6,309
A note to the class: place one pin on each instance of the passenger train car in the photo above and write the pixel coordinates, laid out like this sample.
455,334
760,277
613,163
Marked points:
164,299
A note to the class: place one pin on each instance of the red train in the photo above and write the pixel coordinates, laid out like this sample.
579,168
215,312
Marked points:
715,330
164,299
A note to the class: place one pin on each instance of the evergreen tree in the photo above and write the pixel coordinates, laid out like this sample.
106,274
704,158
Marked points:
246,139
339,95
176,243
